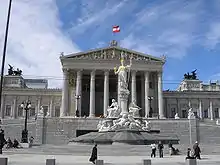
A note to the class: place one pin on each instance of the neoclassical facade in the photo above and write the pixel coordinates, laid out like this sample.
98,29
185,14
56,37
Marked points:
89,79
89,85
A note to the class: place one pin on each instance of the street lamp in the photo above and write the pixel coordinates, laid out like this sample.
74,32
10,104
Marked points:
4,50
150,98
77,103
26,106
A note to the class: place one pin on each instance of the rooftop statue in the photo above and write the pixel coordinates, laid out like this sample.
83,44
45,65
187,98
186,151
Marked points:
192,76
13,72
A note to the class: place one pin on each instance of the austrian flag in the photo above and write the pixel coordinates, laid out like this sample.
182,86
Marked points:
116,29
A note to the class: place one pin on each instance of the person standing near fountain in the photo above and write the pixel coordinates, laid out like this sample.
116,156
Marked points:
94,155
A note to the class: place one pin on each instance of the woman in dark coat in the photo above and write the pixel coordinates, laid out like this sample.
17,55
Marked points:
94,156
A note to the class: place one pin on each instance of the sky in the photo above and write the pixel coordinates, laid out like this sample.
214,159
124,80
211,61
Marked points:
186,31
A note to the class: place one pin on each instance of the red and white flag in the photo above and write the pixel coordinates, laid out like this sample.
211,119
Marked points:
116,29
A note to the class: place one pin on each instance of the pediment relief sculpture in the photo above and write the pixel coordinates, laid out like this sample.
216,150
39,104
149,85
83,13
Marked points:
115,54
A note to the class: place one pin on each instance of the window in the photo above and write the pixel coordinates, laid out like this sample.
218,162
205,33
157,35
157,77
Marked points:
32,112
206,114
216,113
173,112
45,110
57,111
20,111
8,110
150,85
184,113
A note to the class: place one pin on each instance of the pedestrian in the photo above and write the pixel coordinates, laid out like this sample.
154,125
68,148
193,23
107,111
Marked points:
153,150
94,156
197,150
160,148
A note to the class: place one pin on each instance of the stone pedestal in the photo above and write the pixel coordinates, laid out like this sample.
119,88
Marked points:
99,162
147,162
25,145
123,95
191,162
3,161
51,162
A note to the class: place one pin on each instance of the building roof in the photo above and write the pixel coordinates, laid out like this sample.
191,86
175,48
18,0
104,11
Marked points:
137,55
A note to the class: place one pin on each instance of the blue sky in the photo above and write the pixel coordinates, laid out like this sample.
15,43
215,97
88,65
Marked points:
186,31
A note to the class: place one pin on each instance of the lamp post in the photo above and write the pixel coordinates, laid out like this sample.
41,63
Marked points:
150,98
26,106
77,103
4,50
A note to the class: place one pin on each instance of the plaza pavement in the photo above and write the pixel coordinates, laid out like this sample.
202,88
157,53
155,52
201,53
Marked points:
112,155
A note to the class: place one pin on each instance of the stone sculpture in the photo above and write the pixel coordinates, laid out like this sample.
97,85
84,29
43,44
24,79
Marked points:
113,109
13,72
192,76
191,114
176,116
134,109
122,73
126,119
147,126
41,111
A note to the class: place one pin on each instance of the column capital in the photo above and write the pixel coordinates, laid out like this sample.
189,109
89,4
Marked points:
146,73
133,73
159,73
106,72
65,70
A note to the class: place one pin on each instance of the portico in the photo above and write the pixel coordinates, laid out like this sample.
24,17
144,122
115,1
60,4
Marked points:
90,75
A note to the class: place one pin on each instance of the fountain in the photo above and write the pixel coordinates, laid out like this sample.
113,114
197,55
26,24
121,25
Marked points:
123,125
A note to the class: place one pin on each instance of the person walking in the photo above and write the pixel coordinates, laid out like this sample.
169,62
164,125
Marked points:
160,148
153,150
94,156
197,150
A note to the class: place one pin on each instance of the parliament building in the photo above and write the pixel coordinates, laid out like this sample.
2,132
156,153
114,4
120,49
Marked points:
89,85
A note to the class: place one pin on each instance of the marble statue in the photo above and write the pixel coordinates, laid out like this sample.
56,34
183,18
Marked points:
147,126
134,109
113,109
217,122
103,126
41,111
122,73
120,123
191,114
48,114
176,116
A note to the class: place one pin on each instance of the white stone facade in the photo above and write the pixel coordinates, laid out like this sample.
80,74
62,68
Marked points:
89,85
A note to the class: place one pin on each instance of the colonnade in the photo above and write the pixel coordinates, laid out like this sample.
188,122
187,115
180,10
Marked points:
64,107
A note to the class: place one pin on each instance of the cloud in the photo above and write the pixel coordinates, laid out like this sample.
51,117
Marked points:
168,28
35,39
93,13
213,35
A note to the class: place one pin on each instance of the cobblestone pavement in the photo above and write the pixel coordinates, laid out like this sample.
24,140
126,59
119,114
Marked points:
112,155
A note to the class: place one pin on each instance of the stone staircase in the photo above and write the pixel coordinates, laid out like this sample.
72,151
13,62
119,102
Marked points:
209,132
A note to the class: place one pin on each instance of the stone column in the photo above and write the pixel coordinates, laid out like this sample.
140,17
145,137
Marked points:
3,107
189,103
14,109
118,94
38,105
65,94
160,95
92,95
200,109
78,92
106,92
133,87
211,109
146,88
51,106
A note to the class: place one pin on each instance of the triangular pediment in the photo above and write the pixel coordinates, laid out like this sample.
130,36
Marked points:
113,52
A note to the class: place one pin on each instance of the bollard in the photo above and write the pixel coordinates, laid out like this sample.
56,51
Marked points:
147,162
99,162
3,161
51,162
191,162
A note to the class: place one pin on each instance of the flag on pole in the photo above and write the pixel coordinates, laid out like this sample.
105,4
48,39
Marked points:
116,29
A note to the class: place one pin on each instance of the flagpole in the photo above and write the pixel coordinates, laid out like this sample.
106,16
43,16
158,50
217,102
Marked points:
4,51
